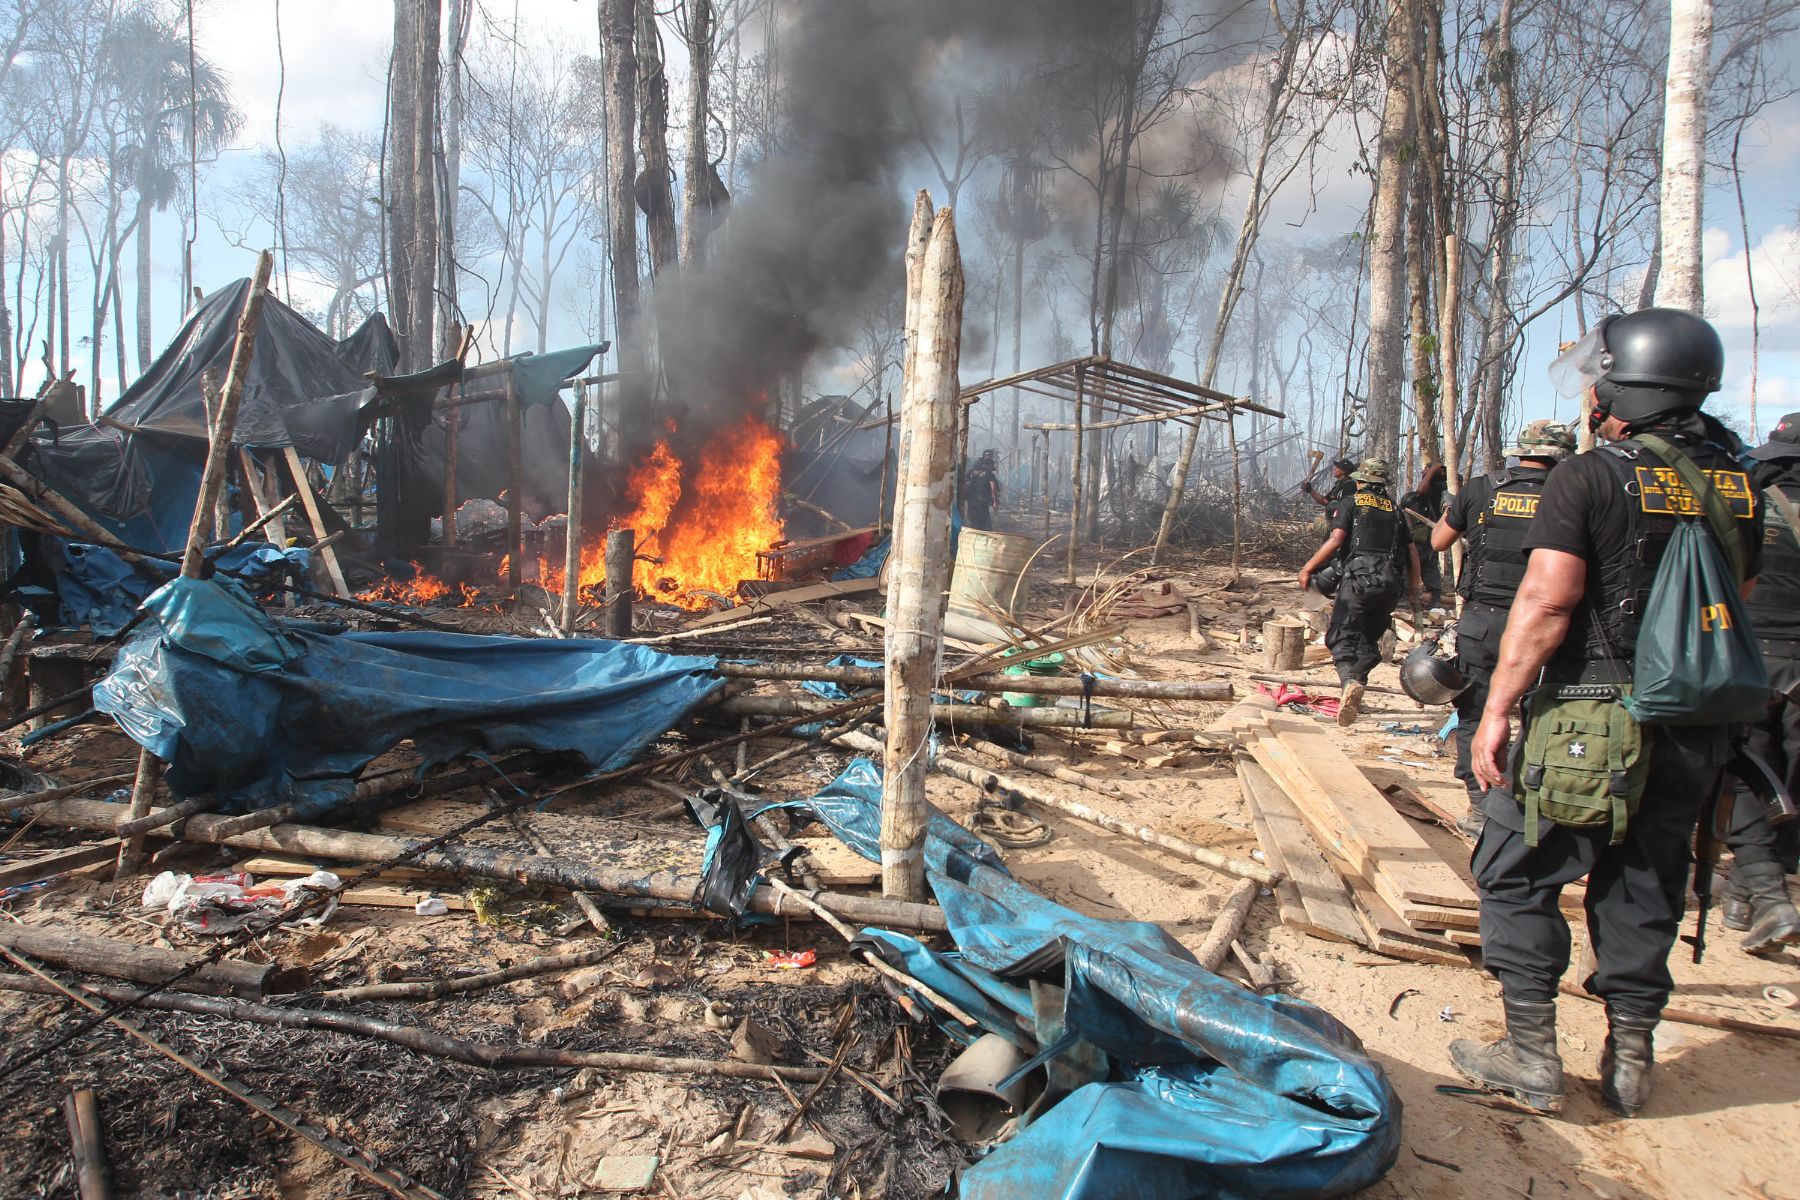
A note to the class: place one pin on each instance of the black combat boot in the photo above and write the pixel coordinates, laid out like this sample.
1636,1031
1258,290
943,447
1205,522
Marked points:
1471,823
1627,1061
1773,921
1736,914
1523,1064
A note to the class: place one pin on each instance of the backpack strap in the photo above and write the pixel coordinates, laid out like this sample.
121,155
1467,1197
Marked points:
1718,512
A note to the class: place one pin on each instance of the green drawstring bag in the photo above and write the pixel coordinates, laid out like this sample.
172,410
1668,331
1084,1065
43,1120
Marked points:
1697,660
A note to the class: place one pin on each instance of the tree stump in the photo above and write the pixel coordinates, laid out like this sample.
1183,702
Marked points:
1284,644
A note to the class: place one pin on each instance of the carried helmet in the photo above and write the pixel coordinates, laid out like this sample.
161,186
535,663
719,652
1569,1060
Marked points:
1644,364
1325,580
1371,470
1543,439
1430,679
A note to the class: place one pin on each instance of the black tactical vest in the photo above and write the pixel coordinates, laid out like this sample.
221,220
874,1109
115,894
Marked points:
1656,504
1377,527
1774,606
1499,548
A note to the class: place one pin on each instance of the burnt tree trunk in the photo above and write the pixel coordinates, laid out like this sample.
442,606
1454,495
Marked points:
697,198
654,195
399,180
618,26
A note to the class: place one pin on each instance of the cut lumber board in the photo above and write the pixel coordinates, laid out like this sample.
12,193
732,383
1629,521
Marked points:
295,868
1311,886
43,866
837,865
1343,854
384,896
817,591
1380,839
1388,934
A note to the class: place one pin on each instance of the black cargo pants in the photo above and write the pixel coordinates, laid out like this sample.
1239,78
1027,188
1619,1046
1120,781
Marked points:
1478,633
1776,740
1358,621
1636,891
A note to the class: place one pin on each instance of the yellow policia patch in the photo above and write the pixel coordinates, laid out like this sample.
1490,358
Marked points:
1660,491
1516,504
1371,500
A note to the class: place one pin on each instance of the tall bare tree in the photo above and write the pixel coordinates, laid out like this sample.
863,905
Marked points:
1683,210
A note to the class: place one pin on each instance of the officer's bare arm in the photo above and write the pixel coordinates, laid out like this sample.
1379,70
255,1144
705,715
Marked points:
1444,535
1333,541
1553,585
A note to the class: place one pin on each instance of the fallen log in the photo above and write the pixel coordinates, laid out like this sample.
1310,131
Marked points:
994,681
432,989
486,863
1683,1016
973,714
1042,766
425,1041
991,781
146,964
27,799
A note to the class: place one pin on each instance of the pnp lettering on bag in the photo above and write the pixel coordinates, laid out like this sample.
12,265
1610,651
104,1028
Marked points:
1715,616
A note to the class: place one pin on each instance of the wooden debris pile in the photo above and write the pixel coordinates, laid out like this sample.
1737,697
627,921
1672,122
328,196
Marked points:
1356,870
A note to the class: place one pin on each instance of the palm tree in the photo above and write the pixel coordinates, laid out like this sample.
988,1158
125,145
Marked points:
172,118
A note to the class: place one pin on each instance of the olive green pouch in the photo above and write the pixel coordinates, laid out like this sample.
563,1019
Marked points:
1582,763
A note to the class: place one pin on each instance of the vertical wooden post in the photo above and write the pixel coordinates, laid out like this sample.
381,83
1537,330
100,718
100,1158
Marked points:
452,420
1237,492
571,600
310,502
621,548
921,574
1075,480
917,239
887,453
1044,479
515,486
212,482
1447,403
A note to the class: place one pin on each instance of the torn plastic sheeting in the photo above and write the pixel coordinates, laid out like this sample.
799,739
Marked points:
102,591
1214,1090
265,713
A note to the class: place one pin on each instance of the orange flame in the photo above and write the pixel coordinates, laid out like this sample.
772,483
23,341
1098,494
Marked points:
422,588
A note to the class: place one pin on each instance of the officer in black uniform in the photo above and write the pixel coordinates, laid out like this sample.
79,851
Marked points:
1763,856
1593,549
1342,488
1379,558
1492,515
1425,505
981,491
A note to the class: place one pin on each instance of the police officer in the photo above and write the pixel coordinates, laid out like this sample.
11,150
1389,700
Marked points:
1593,550
981,491
1342,488
1422,509
1492,514
1762,856
1379,558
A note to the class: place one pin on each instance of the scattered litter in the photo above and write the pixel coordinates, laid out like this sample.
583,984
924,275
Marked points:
1446,1013
214,905
795,961
1776,994
431,906
1396,727
1394,1004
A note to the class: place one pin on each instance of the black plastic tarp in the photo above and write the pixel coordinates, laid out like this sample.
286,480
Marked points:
294,365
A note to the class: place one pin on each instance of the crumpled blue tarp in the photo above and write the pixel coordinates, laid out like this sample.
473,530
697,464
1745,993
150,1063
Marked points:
1209,1090
869,565
102,591
265,713
835,691
538,377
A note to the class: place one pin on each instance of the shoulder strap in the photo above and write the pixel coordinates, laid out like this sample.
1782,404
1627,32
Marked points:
1718,513
1785,507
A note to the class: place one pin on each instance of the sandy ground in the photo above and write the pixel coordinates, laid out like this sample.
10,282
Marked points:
1718,1126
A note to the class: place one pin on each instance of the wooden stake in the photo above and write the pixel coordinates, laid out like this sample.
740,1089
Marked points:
921,572
1227,926
621,549
515,485
310,502
1075,478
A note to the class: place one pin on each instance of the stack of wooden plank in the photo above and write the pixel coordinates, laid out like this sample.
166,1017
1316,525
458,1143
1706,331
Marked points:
1357,871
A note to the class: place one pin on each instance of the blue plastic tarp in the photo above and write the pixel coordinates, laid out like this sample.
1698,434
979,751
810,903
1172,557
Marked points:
1205,1090
102,591
263,713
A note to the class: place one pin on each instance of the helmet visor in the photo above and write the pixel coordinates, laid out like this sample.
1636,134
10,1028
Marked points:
1578,368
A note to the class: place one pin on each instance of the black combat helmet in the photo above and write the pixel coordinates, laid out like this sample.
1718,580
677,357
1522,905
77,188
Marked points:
1644,364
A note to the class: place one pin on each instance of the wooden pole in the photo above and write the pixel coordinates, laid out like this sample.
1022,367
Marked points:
143,964
1227,926
921,572
965,714
1075,478
310,502
515,487
212,482
918,238
1237,496
88,1145
621,547
1447,402
887,455
571,599
1046,685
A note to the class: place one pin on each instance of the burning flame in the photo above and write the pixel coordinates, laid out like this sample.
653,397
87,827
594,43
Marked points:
708,522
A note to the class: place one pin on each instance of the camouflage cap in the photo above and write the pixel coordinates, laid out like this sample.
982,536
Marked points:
1371,470
1543,439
